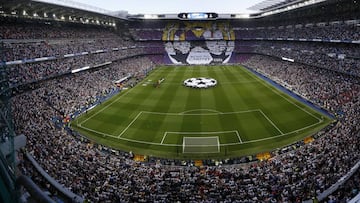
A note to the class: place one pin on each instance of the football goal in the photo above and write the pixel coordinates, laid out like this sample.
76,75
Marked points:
197,145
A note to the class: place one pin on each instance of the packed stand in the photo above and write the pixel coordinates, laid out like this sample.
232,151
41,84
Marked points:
36,39
20,50
326,31
146,34
67,48
101,176
39,30
33,72
347,191
338,57
336,92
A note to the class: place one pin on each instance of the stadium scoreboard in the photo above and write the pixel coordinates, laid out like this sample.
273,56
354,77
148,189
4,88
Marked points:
198,16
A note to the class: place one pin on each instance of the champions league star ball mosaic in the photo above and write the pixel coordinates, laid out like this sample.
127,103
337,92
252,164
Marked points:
200,82
199,42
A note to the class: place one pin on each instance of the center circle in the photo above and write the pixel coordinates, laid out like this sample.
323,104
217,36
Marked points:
200,82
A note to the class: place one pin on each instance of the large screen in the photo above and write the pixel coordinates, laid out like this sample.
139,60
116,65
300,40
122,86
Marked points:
198,16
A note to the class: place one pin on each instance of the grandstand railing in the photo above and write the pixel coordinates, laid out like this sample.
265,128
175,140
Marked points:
34,190
339,183
7,186
70,195
356,199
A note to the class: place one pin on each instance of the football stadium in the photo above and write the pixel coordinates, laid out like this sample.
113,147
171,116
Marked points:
180,105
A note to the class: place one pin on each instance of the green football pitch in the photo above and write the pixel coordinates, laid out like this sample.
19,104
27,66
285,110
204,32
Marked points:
241,115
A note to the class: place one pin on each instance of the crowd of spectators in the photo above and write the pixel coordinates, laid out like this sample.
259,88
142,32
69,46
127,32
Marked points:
339,57
342,57
342,92
336,49
90,46
20,49
89,87
336,92
146,34
36,71
41,30
340,30
326,31
347,191
100,176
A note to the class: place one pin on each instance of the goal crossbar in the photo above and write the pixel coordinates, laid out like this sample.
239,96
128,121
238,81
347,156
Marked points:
201,144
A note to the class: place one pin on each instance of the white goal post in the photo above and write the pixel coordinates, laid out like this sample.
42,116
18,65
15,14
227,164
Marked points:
198,145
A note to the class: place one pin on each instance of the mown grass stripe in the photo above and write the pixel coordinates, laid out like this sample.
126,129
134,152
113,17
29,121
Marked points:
163,99
183,110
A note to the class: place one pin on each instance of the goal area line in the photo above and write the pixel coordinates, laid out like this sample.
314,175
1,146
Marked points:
203,133
201,145
177,145
206,114
122,134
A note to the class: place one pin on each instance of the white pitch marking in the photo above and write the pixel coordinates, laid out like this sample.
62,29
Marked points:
177,145
276,136
272,123
237,133
276,92
203,133
218,145
105,107
199,114
130,124
162,140
210,110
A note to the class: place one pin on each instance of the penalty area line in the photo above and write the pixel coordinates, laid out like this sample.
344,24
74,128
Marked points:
238,135
105,107
177,145
117,99
271,122
277,136
162,140
130,140
280,93
137,116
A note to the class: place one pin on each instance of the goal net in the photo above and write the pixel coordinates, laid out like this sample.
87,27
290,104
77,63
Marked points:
201,144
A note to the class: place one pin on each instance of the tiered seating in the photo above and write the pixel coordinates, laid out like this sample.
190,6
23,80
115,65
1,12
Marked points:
337,31
38,51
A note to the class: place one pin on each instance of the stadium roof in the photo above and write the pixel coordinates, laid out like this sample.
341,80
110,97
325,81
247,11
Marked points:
133,7
160,6
268,5
71,11
38,9
75,4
